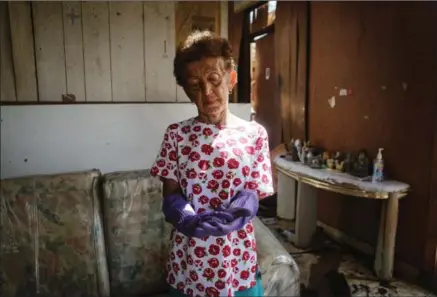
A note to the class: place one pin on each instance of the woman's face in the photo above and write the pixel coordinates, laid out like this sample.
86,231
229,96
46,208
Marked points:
207,84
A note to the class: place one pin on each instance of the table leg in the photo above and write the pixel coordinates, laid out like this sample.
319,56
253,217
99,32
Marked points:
306,214
384,258
286,205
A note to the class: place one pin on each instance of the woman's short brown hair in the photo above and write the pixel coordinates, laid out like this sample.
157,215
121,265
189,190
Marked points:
199,45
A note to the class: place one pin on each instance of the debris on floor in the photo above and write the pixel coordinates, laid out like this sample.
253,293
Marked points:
328,269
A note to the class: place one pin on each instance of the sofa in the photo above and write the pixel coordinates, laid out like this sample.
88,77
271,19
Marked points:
85,234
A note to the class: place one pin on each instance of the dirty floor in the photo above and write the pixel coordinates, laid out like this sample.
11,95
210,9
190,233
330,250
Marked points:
328,269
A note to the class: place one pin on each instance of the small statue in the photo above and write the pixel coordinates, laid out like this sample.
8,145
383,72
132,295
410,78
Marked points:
339,161
292,151
330,163
326,156
360,167
348,162
298,145
339,165
302,152
309,154
316,162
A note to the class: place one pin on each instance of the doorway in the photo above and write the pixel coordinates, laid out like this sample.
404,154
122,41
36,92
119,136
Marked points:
263,85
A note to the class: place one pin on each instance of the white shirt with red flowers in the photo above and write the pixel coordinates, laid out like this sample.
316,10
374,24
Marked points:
211,164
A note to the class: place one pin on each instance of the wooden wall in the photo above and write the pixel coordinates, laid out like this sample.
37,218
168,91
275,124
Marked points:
194,14
93,51
385,52
235,33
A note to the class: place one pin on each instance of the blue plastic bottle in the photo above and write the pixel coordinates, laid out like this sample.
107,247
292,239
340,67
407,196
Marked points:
378,168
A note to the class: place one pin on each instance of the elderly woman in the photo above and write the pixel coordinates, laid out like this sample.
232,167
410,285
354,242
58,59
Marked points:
214,167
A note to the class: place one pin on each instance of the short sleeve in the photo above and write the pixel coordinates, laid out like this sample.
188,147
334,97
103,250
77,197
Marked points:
165,165
261,171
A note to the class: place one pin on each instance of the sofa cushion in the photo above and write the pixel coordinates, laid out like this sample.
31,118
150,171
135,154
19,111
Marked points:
138,238
51,236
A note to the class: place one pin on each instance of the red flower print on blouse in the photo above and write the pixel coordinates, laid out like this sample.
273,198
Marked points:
207,149
208,273
213,262
207,132
200,252
233,163
204,164
194,156
218,174
212,292
218,162
214,250
186,129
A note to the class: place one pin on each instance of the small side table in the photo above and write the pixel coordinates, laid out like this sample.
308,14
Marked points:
295,177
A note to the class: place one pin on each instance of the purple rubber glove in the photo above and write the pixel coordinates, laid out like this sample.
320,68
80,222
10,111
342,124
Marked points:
182,216
244,204
243,207
216,227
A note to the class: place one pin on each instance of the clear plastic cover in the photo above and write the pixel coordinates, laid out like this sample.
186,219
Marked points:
138,238
52,242
51,237
280,273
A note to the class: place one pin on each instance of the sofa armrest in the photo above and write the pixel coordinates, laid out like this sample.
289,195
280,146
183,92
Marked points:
280,273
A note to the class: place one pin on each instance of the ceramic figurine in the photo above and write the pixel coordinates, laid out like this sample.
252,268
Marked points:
348,163
309,154
302,152
330,163
298,145
316,162
338,161
339,165
292,153
360,167
325,157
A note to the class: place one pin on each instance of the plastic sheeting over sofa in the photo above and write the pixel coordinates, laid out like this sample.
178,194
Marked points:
138,238
52,241
51,238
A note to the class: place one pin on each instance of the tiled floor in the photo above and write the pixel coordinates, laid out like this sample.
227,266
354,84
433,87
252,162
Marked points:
322,271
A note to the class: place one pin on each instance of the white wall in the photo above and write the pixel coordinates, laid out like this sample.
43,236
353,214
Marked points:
61,138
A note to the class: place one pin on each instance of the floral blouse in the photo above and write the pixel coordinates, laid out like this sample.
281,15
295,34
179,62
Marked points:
212,163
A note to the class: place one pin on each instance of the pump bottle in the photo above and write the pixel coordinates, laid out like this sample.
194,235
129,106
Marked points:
378,168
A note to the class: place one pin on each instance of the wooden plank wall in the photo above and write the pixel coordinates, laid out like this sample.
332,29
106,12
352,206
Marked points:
373,49
183,22
92,51
7,81
291,40
23,51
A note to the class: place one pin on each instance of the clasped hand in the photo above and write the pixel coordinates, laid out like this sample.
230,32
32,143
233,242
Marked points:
242,208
